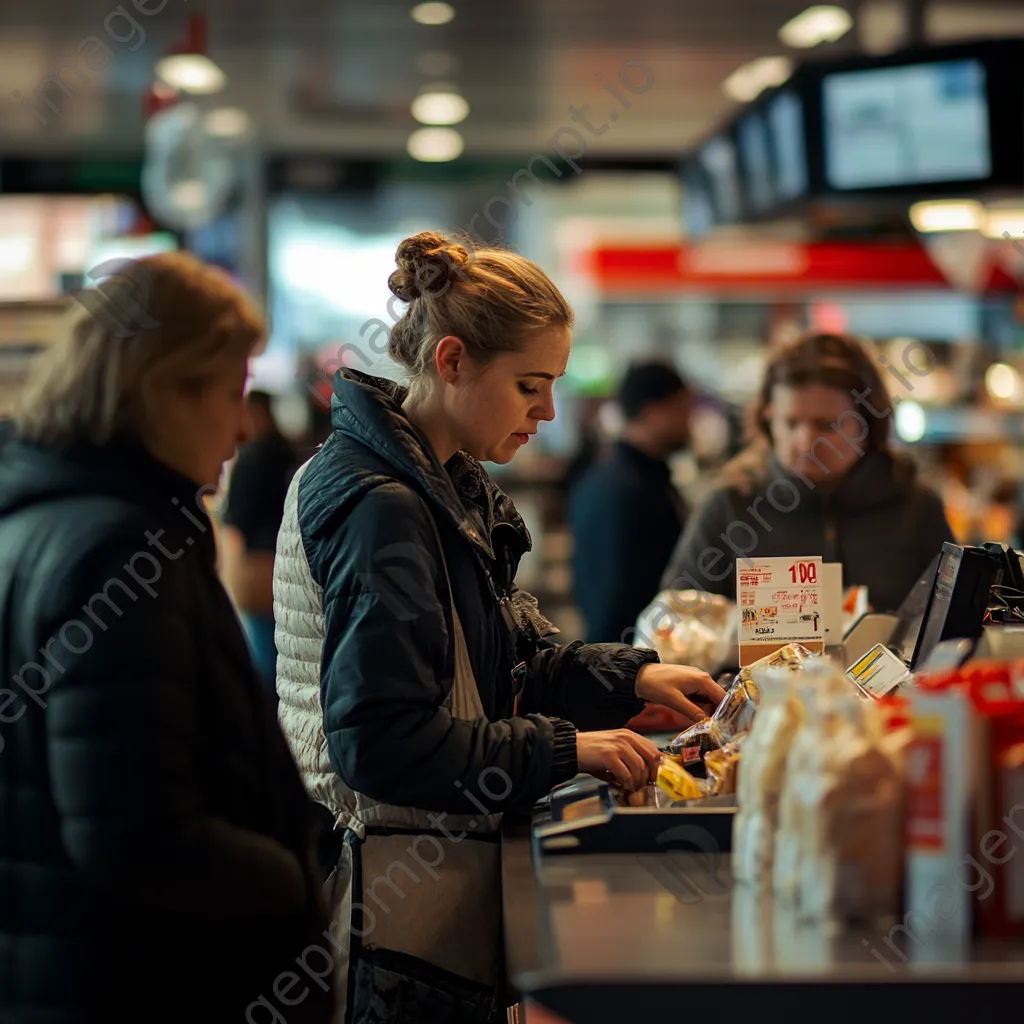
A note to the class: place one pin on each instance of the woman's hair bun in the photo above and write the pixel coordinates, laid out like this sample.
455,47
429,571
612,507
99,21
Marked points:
427,264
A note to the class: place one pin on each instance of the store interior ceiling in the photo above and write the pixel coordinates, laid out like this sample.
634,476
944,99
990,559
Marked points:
339,76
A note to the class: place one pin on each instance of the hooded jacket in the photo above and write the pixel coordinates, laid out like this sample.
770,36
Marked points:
879,521
364,624
154,832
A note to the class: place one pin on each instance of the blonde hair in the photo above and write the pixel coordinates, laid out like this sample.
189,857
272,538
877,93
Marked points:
157,324
492,301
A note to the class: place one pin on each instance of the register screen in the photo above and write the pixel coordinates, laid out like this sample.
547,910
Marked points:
907,125
931,628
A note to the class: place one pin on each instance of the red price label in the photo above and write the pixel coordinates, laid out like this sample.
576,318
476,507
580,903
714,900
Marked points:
804,572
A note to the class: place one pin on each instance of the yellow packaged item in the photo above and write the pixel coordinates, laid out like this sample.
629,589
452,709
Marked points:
677,782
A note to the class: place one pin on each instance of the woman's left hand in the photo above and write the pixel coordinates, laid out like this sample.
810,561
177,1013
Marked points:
671,685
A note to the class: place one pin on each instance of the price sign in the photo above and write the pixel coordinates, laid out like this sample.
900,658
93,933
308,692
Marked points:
780,602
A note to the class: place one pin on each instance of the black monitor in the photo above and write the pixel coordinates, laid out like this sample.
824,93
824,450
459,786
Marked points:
959,598
911,613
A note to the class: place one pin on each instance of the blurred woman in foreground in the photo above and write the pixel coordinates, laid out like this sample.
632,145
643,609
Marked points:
819,478
154,849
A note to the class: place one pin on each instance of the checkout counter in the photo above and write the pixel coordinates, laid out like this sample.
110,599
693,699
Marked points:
619,913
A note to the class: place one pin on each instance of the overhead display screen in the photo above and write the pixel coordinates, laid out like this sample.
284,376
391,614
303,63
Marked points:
756,161
786,123
899,126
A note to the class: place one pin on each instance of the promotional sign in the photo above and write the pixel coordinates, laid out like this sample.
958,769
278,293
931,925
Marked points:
780,602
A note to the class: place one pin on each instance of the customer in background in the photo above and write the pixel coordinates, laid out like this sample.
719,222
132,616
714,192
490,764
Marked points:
257,488
626,515
818,478
155,847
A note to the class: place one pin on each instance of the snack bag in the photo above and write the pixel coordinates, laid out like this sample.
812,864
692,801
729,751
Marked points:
692,744
852,821
677,782
723,767
760,783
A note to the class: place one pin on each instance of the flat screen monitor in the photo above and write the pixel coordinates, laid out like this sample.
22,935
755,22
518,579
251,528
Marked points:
718,158
959,598
785,119
756,162
904,126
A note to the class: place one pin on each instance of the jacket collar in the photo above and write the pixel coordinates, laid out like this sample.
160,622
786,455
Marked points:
369,409
31,474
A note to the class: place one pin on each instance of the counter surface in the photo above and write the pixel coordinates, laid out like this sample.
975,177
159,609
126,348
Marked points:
586,930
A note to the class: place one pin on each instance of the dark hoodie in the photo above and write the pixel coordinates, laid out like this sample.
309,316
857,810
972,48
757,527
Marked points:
154,832
879,521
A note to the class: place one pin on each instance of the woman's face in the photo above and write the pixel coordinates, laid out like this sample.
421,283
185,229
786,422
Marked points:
497,407
201,428
803,436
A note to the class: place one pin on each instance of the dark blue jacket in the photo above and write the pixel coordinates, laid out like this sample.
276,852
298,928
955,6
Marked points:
626,518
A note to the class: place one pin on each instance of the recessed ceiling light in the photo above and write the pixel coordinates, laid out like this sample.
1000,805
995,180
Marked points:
439,108
823,23
1003,381
947,215
435,144
227,122
191,72
433,13
747,82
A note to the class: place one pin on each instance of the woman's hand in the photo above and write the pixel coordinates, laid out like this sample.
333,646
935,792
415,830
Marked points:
618,755
671,685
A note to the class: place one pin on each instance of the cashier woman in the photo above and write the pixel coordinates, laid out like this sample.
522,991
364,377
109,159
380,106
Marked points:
819,478
419,689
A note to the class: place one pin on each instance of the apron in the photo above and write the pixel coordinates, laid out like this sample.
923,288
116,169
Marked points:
417,899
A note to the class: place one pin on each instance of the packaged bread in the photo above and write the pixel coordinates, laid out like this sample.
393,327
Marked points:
816,690
677,782
760,784
852,821
722,767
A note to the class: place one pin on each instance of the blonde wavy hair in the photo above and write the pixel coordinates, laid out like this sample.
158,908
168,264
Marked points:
152,327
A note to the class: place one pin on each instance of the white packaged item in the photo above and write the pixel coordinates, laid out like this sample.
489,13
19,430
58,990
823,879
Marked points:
688,627
765,752
852,822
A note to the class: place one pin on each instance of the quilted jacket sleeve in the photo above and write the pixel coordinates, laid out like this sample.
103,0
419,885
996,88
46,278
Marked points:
385,674
124,744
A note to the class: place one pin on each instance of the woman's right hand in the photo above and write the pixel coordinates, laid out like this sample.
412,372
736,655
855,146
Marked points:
619,755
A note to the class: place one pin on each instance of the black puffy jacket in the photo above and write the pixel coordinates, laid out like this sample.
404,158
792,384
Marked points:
364,624
154,832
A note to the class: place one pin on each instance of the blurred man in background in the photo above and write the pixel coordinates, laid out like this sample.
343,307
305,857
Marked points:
257,488
625,514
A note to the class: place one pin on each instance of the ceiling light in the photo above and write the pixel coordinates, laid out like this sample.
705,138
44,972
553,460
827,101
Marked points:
227,122
439,108
433,13
435,144
191,72
1002,381
747,82
947,215
823,23
911,423
1004,222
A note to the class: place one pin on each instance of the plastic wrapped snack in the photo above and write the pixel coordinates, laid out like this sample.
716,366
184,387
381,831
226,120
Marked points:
723,768
677,782
761,782
852,822
691,745
688,627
